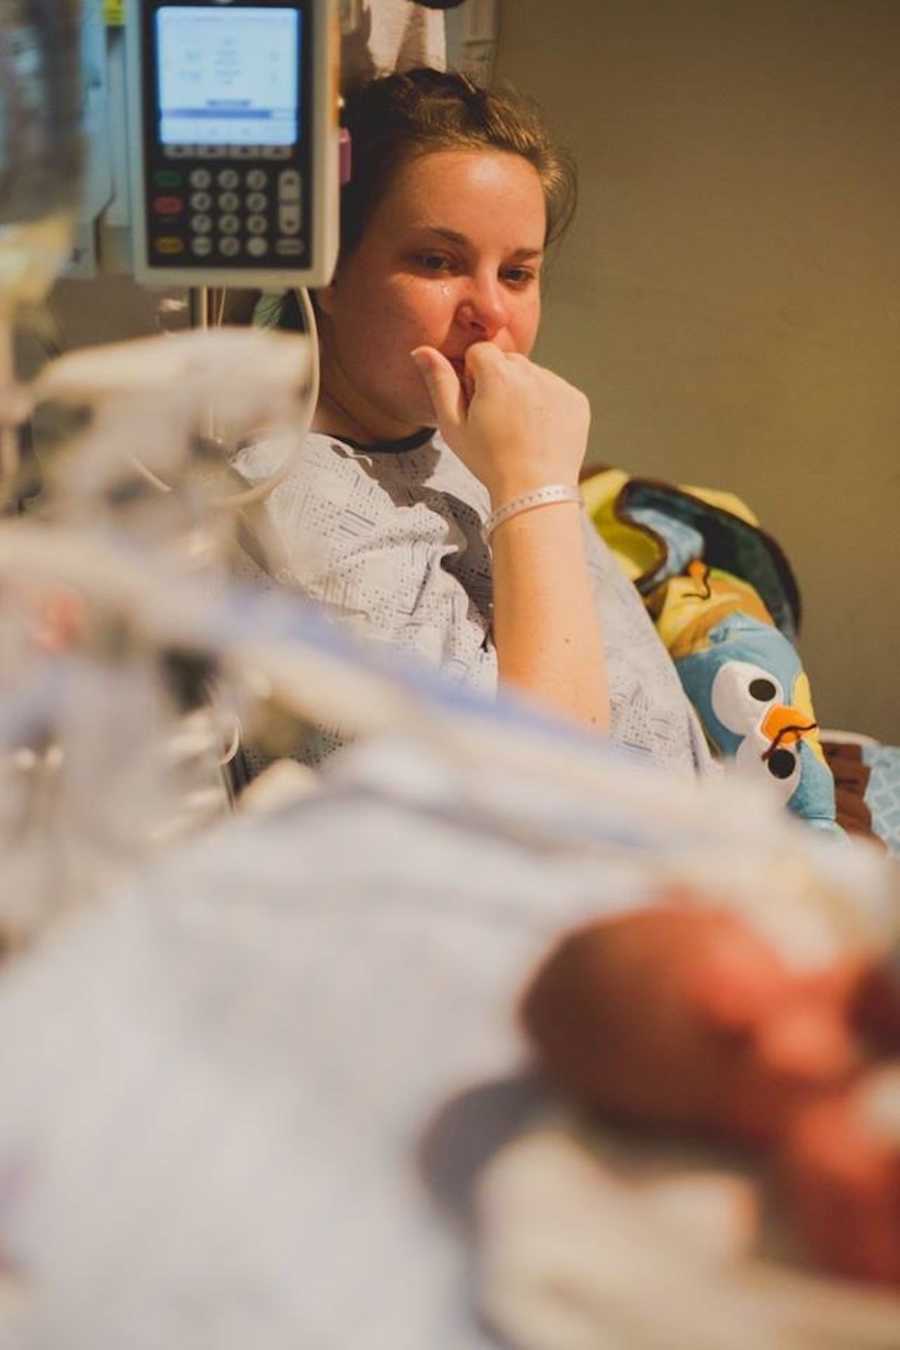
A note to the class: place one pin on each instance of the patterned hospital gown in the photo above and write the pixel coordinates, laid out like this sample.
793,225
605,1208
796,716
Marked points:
390,541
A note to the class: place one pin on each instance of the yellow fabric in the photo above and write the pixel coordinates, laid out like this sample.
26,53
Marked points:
636,551
686,608
801,697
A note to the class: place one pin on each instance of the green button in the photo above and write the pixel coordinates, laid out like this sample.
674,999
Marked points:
167,178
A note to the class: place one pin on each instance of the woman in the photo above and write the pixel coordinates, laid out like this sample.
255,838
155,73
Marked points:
436,502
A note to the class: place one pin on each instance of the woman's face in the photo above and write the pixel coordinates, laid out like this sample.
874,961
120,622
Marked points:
451,256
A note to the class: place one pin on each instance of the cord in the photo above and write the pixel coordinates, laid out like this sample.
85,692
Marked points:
261,490
312,331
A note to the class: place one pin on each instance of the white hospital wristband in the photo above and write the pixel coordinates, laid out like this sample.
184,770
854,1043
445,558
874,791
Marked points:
545,496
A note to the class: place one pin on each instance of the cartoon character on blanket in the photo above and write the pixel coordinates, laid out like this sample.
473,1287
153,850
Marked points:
727,606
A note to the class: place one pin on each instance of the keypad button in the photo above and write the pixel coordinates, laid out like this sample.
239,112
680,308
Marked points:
201,224
229,246
201,201
200,178
257,247
289,248
167,206
289,186
167,178
168,243
229,201
228,178
257,224
201,246
288,220
257,201
257,179
229,224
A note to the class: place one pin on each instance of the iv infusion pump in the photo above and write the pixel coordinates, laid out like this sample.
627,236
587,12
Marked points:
233,130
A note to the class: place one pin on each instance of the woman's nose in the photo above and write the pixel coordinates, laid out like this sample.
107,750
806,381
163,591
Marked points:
484,309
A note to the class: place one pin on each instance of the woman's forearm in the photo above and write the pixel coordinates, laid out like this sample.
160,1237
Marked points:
520,428
546,628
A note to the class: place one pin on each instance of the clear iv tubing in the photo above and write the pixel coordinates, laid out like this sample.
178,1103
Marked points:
261,490
312,332
200,302
201,317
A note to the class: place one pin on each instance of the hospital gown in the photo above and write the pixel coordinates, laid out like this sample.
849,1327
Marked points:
390,540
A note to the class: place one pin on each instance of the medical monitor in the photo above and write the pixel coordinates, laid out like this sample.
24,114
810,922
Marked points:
234,141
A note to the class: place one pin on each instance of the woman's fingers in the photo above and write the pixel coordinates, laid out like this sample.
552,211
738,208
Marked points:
484,357
444,389
512,423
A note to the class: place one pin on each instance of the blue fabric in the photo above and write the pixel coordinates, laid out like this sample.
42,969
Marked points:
684,543
729,542
748,669
883,793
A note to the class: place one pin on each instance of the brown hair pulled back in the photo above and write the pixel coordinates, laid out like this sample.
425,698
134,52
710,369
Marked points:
398,117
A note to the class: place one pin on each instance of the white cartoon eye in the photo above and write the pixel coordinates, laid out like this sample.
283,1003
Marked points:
779,768
742,694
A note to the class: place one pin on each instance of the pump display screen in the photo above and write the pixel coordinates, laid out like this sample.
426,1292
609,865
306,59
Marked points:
228,76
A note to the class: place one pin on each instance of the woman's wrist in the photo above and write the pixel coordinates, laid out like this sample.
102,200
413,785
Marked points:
539,499
509,486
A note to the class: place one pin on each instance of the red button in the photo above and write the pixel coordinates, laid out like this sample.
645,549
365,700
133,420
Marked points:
168,206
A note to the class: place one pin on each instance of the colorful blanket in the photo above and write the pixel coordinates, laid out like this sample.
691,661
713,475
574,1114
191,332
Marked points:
727,606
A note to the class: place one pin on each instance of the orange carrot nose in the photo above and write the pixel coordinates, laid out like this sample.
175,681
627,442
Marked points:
786,724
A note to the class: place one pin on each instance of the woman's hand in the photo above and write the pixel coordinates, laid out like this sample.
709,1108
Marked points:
516,426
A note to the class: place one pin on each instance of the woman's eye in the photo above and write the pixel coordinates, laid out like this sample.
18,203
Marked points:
519,276
434,262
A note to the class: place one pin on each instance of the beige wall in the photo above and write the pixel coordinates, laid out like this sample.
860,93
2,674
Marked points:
730,294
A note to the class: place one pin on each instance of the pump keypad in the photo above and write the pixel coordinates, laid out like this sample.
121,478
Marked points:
248,214
227,152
